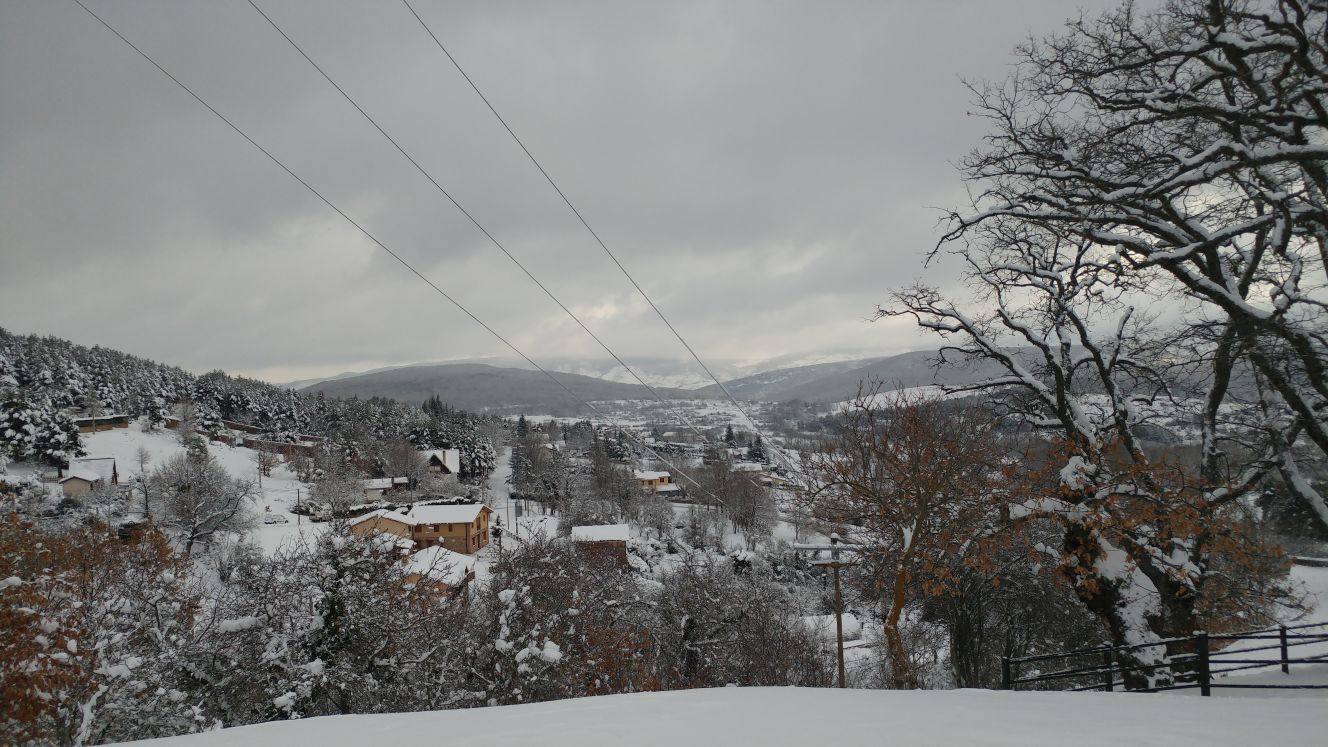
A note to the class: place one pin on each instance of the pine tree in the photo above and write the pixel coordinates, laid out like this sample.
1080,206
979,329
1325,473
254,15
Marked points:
756,452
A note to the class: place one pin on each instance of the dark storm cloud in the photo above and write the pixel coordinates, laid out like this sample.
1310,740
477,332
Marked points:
767,170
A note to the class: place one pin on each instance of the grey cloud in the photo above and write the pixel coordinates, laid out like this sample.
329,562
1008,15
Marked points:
766,169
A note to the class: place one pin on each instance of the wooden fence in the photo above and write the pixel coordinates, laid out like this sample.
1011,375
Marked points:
1204,658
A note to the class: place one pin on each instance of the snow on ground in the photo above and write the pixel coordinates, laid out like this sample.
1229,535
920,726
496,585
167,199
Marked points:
498,494
890,397
801,716
280,491
1314,584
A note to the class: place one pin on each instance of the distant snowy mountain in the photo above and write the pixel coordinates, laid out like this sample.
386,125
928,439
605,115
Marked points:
675,373
486,388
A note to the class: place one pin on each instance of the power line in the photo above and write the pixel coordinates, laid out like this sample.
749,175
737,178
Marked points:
385,248
585,223
474,221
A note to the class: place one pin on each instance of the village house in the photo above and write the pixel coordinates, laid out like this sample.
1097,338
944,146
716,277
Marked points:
101,423
602,543
443,462
462,528
84,475
651,480
377,487
441,568
80,482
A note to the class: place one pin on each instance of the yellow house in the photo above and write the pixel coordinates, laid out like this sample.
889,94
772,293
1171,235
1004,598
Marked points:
460,528
651,480
79,483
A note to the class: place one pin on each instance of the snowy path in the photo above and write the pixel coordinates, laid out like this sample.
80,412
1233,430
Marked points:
499,498
799,716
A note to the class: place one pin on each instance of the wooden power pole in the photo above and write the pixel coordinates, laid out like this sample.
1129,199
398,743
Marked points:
834,563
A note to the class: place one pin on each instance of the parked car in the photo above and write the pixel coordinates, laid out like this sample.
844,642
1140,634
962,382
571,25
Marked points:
275,519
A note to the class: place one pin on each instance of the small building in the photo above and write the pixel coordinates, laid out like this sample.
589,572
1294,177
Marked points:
284,448
602,543
103,467
377,487
80,483
669,491
101,423
651,480
443,569
236,425
443,461
462,528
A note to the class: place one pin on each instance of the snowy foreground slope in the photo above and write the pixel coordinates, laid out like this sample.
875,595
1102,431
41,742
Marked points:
802,717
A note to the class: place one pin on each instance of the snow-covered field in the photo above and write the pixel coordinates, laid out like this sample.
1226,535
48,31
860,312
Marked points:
801,717
279,491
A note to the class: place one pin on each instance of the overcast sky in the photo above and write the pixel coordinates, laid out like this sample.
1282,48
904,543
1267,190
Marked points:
766,170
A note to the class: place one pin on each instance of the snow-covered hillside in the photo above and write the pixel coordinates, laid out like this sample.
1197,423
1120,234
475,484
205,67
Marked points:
797,716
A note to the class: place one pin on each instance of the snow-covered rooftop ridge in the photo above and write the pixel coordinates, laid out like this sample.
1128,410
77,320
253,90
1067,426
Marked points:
601,533
434,514
441,564
81,473
103,467
383,483
450,458
649,474
384,513
445,514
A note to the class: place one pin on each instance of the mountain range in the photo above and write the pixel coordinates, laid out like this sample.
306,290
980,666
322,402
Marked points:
490,386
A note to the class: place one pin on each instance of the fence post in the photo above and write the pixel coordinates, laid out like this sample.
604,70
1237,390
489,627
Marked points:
1282,635
1005,673
1107,661
1205,679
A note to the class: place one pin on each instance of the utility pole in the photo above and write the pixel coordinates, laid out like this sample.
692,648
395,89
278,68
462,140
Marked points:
834,564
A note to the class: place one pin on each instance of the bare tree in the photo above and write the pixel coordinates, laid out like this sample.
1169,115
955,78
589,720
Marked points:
1170,154
264,463
916,480
1181,151
400,458
199,499
143,458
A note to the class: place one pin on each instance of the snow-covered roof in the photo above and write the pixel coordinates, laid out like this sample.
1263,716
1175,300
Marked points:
383,483
600,533
441,564
449,458
451,514
668,488
81,474
384,513
102,467
649,475
748,467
